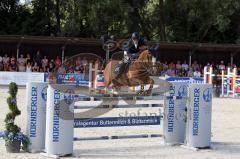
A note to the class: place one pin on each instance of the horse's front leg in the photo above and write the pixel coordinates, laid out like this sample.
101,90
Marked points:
149,91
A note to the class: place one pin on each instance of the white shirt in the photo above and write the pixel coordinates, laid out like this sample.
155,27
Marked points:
222,67
197,74
29,69
21,61
185,66
5,60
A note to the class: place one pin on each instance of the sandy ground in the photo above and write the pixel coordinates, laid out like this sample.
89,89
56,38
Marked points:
225,136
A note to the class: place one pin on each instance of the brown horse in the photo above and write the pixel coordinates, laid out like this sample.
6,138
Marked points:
138,73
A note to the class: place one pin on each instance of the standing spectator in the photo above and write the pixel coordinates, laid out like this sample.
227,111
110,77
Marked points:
21,68
221,66
51,67
57,62
197,73
37,58
29,67
6,62
21,60
35,67
61,70
44,63
1,63
29,59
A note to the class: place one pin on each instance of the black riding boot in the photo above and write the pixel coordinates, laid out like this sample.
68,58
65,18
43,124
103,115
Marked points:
121,70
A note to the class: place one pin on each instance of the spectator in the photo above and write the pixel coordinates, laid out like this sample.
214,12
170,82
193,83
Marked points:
171,72
61,70
29,67
21,68
35,68
190,72
51,67
221,66
178,68
37,58
57,62
13,65
171,66
1,63
6,62
29,59
195,66
185,66
197,73
21,60
44,63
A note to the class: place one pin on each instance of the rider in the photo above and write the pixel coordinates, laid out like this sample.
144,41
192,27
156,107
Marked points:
135,44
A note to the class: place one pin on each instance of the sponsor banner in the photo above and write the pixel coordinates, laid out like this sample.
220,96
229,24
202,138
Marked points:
20,78
185,79
73,79
116,121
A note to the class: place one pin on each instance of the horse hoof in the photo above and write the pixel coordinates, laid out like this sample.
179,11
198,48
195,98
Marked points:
139,93
147,93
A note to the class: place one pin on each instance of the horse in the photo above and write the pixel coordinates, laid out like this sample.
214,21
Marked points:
138,73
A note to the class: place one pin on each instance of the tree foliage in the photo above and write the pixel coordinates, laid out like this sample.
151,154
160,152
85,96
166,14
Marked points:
215,21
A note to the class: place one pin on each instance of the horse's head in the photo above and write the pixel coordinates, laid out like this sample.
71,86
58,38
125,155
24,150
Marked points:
145,57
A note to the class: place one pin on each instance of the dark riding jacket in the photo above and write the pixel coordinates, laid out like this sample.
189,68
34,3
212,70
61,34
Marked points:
131,49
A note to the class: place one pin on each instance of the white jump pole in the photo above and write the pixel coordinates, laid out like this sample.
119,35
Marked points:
208,73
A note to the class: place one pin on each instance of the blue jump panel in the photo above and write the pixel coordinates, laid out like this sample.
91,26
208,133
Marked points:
116,121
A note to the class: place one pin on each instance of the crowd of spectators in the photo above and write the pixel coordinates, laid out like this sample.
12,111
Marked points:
39,63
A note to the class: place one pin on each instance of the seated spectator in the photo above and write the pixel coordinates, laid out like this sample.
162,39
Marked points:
6,62
29,67
35,67
57,62
178,68
197,73
170,72
185,66
195,66
171,66
178,65
190,72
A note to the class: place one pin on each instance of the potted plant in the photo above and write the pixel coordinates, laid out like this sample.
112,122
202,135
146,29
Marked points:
12,135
